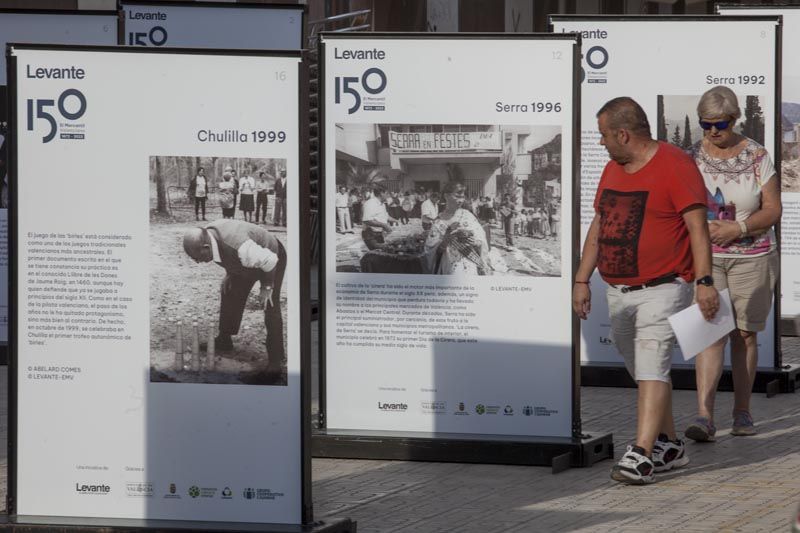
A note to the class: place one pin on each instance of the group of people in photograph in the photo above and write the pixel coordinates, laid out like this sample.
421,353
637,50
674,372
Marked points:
659,242
537,222
251,193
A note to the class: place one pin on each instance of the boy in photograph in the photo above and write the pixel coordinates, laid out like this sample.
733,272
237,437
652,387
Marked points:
262,188
199,190
247,189
529,223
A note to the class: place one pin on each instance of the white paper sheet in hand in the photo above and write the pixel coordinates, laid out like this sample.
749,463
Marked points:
694,333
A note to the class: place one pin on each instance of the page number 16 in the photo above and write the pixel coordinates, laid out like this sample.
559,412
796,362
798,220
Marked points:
280,76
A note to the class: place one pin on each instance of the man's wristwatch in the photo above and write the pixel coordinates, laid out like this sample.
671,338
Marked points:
708,281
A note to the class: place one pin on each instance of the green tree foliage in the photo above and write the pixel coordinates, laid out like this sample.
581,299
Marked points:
661,126
676,137
753,124
687,135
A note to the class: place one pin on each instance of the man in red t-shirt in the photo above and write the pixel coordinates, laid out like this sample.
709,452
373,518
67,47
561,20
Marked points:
649,240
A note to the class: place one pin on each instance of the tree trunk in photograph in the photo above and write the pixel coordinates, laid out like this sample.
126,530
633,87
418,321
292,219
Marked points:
214,171
161,190
177,171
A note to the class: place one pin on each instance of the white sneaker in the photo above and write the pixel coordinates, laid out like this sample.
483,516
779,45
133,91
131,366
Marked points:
634,468
669,454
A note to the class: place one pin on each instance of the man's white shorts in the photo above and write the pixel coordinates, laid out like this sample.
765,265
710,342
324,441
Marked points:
640,329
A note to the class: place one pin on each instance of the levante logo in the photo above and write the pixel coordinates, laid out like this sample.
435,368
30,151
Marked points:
366,88
396,407
92,489
155,36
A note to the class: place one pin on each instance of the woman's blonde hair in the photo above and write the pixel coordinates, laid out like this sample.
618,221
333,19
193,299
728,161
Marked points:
719,101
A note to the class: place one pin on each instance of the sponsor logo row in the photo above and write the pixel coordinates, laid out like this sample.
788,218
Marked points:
144,489
440,407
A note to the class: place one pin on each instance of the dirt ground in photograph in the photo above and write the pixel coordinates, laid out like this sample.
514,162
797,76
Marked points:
183,289
529,256
790,175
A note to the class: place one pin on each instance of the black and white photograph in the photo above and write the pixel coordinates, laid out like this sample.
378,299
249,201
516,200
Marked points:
678,123
217,260
790,125
448,199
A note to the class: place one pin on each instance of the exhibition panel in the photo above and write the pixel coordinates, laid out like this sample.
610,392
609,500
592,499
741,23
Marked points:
212,25
38,26
663,63
140,386
449,312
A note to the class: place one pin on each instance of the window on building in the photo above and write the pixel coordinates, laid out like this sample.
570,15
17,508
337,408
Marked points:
522,138
383,130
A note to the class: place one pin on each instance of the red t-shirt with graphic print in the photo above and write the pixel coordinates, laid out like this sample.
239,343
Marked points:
642,233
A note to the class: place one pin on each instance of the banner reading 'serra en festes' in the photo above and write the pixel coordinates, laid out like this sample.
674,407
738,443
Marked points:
667,82
157,351
60,27
448,233
790,150
243,27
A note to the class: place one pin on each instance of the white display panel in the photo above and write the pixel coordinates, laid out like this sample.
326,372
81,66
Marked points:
790,147
262,27
473,349
44,27
663,73
104,428
56,28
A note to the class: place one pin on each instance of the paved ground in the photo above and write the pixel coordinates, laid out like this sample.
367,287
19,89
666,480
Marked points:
737,484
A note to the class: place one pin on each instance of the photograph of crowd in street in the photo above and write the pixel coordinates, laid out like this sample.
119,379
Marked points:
217,230
448,199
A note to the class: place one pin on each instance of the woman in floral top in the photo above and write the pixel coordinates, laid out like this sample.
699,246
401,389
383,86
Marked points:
456,242
743,205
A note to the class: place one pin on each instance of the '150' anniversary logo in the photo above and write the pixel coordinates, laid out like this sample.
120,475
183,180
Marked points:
372,82
70,105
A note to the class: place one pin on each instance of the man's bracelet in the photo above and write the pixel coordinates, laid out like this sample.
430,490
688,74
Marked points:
583,282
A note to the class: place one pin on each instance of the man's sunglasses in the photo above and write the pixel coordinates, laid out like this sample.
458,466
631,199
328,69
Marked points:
721,125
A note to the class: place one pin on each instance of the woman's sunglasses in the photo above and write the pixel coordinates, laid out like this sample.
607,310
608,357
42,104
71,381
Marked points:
721,125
